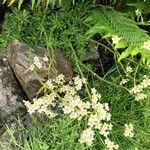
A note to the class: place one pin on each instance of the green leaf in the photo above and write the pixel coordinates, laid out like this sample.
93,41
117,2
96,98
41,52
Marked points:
4,1
32,4
121,44
48,2
125,54
60,2
144,7
110,22
38,3
11,2
20,3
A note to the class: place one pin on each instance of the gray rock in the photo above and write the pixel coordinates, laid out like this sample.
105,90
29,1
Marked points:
10,108
20,57
10,93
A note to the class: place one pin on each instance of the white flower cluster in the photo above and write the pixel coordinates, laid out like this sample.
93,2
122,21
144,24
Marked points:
128,70
75,107
41,105
68,98
37,63
45,58
137,90
87,136
55,83
128,130
124,81
111,145
146,45
98,120
115,39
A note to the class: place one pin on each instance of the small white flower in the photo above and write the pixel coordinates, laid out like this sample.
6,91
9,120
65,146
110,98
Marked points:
104,130
95,96
50,114
87,136
146,82
74,115
115,39
138,12
87,105
124,81
45,58
129,69
37,62
84,81
32,67
50,85
78,83
128,130
67,110
30,107
93,90
108,117
136,89
106,106
93,120
140,96
146,45
60,79
111,145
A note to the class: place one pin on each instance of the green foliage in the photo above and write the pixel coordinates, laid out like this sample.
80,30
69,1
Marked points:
48,134
144,7
65,27
37,3
13,27
109,22
62,133
51,29
34,3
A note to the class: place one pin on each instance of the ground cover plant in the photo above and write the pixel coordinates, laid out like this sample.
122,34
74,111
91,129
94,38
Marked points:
93,111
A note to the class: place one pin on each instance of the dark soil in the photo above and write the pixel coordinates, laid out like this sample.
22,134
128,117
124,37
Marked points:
2,14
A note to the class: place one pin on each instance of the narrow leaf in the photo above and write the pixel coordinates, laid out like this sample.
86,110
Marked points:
20,3
32,4
11,2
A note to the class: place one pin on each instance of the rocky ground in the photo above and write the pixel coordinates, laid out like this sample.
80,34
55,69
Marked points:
18,83
10,107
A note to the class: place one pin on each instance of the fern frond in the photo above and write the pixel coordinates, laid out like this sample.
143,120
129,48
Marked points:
108,21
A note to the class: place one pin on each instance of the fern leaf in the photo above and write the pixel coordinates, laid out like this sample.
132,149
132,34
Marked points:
108,21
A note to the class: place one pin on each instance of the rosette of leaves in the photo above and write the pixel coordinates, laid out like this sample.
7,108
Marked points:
108,22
